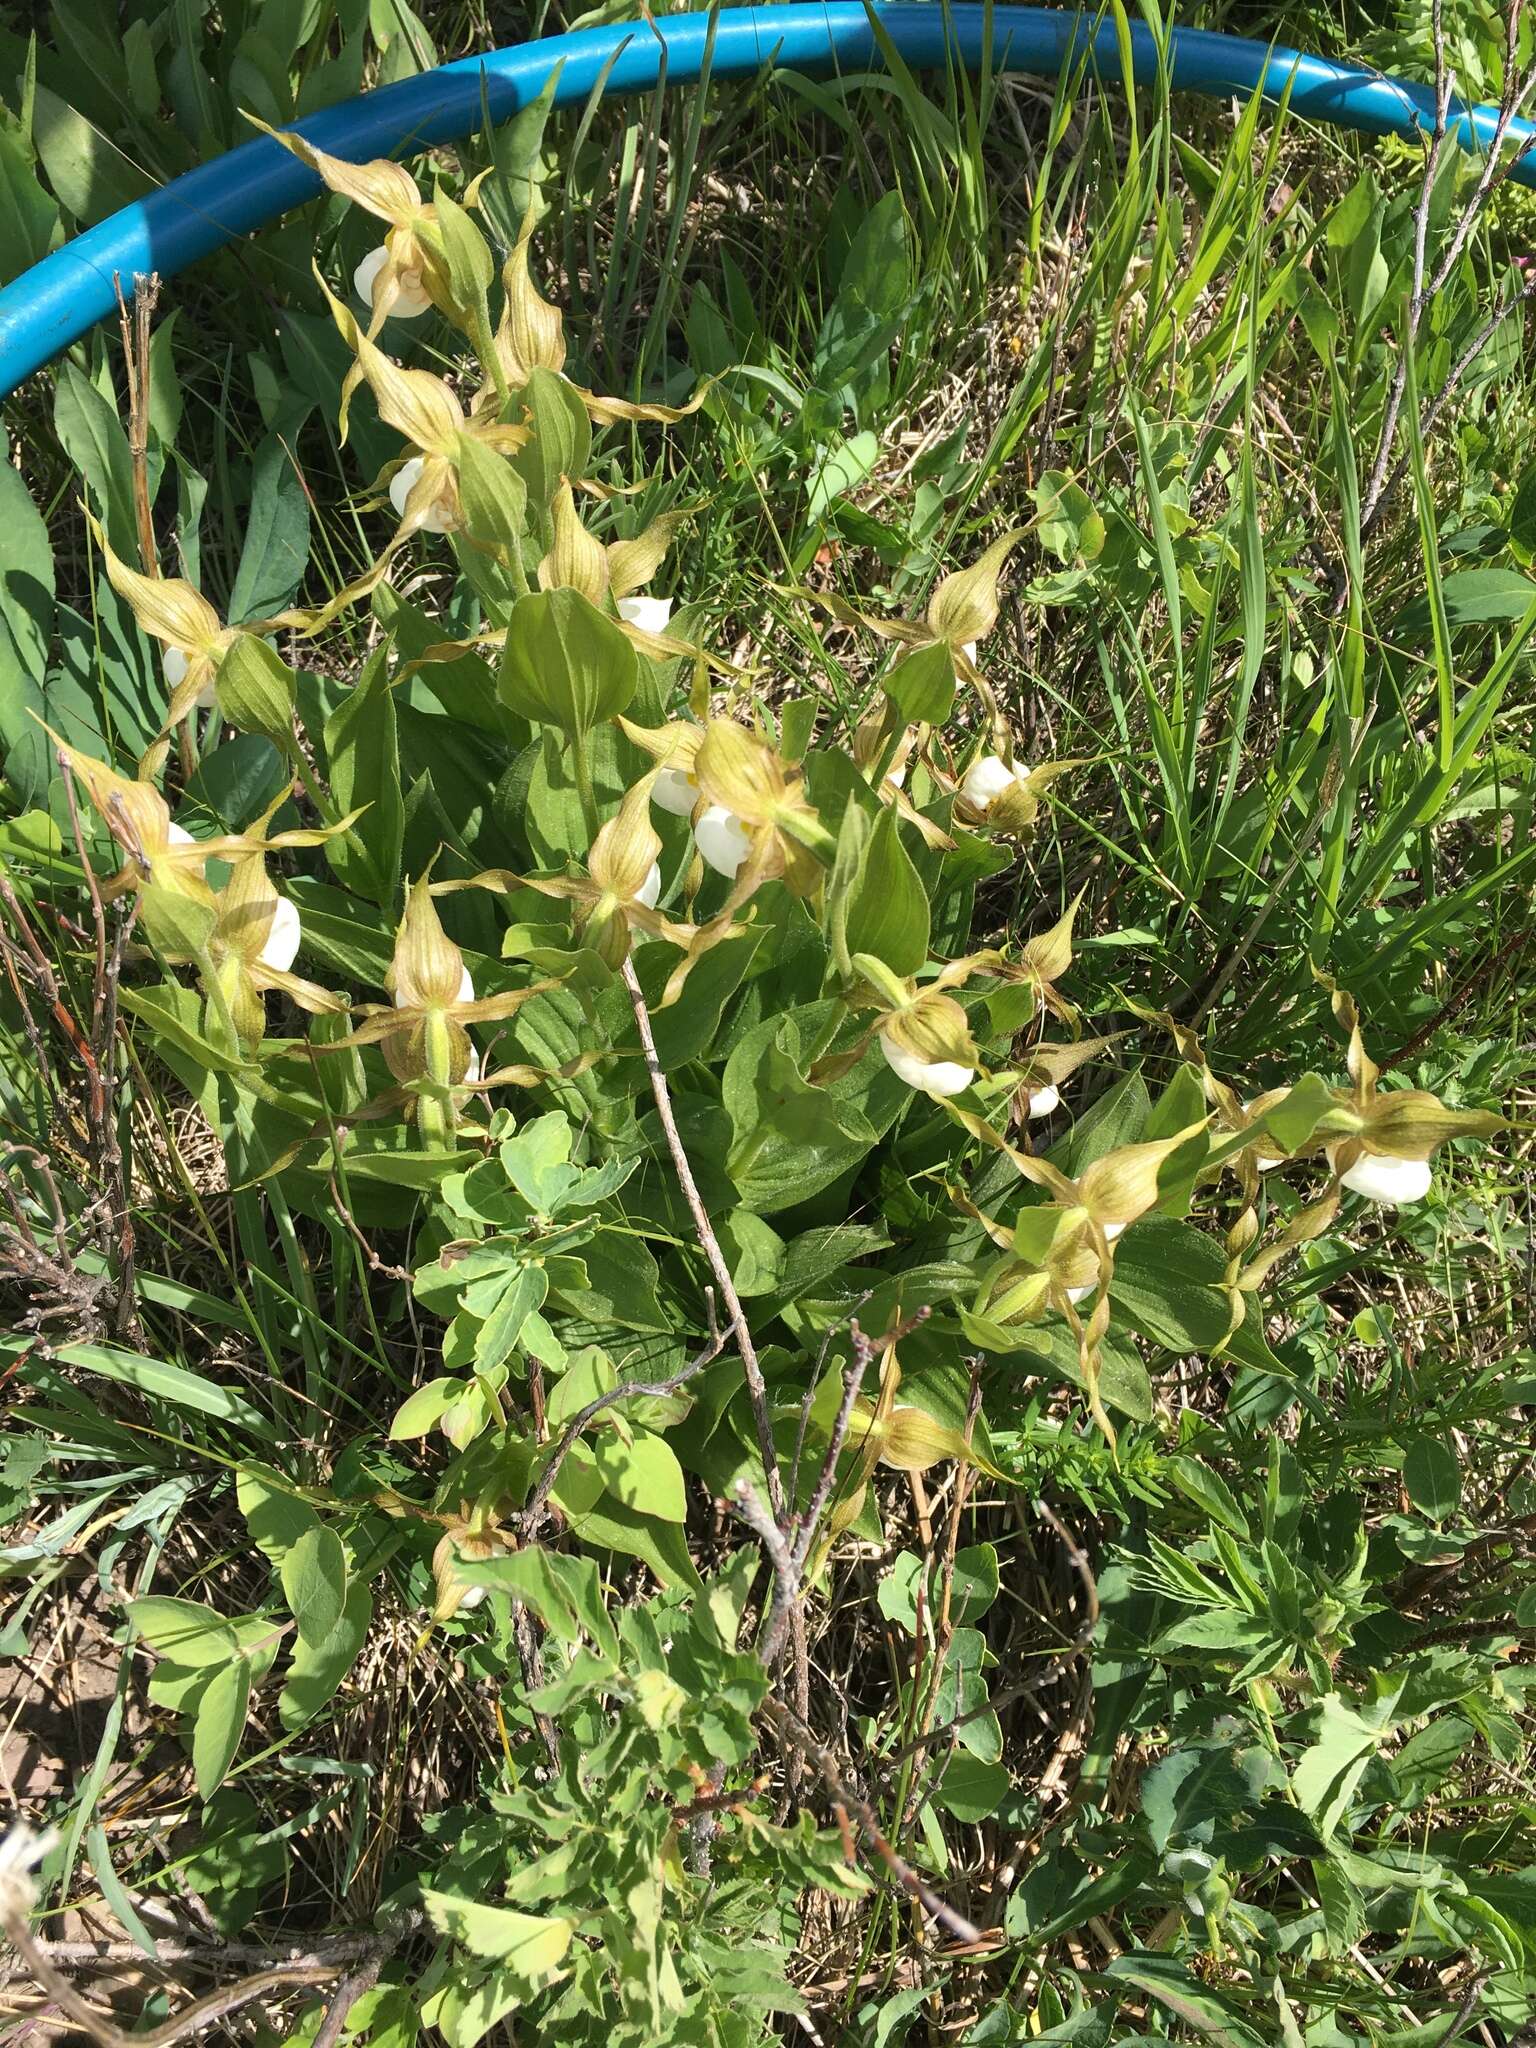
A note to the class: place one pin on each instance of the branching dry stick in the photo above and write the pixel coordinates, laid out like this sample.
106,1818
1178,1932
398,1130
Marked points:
1382,487
786,1576
210,1953
136,360
106,1145
533,1513
347,1993
943,1627
79,2013
1417,295
853,1381
808,1401
795,1732
756,1386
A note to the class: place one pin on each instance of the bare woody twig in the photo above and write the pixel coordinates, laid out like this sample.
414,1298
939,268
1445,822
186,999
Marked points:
853,1381
756,1386
1426,287
1417,295
346,1995
533,1513
79,2013
136,359
851,1801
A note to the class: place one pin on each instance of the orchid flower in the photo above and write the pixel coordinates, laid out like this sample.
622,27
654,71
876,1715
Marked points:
1039,1074
530,335
577,560
422,1030
944,643
251,950
1003,794
756,824
614,901
194,637
424,489
1071,1237
1388,1139
162,861
406,273
896,1434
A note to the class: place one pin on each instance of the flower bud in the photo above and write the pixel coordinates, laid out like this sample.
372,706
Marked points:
650,614
675,790
932,1077
410,301
722,839
1389,1181
282,940
987,779
439,518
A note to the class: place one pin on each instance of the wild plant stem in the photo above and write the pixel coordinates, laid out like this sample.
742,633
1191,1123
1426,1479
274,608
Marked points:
581,762
756,1386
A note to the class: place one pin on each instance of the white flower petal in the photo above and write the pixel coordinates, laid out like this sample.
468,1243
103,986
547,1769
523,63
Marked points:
177,835
1043,1100
986,780
675,790
282,936
1390,1181
367,271
722,839
404,481
401,485
410,300
650,614
174,665
932,1077
650,888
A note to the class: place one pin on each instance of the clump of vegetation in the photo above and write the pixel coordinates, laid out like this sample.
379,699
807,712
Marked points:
794,1307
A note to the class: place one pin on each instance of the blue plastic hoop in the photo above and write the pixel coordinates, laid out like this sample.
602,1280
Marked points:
61,298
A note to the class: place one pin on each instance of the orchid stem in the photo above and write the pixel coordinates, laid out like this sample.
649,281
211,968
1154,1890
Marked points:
581,762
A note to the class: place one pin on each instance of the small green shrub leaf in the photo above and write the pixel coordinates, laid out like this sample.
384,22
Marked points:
314,1576
219,1724
1432,1475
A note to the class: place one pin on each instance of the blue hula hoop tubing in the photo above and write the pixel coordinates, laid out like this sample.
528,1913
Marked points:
63,297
